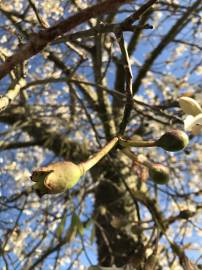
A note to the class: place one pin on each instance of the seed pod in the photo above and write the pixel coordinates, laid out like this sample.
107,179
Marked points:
174,140
159,174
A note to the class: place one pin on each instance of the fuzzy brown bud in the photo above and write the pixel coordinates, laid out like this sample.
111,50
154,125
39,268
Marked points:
56,178
174,140
159,174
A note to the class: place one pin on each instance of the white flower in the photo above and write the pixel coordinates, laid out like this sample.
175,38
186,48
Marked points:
193,120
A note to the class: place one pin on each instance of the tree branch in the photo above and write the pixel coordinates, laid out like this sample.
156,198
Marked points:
39,41
180,24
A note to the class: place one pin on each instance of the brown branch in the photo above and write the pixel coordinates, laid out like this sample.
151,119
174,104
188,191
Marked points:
137,14
53,140
128,81
39,41
109,28
11,94
127,67
17,145
41,21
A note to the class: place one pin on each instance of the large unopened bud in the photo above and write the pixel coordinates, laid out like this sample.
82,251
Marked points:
60,176
159,173
174,140
56,177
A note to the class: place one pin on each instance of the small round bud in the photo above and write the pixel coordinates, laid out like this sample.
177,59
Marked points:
159,174
174,140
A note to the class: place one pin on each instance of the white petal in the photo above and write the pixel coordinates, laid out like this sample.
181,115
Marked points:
197,120
196,130
188,122
193,124
190,106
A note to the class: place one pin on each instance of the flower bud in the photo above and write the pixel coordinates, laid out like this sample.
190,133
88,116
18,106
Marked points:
56,178
60,176
190,106
174,140
159,174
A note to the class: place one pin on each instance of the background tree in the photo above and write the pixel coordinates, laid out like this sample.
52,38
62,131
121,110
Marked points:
102,71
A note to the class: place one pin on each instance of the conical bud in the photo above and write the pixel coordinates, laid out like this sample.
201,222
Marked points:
174,140
56,178
159,174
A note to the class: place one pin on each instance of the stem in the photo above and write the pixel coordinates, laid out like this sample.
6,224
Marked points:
87,165
136,143
143,160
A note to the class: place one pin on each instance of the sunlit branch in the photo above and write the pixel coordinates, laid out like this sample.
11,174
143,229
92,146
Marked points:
11,94
111,28
37,42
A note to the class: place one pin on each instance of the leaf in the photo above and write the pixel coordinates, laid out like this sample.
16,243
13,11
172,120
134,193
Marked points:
92,235
80,228
75,228
71,233
60,228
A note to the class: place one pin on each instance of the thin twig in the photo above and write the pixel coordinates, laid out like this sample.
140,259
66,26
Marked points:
129,81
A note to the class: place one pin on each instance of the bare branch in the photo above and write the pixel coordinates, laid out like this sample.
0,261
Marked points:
37,42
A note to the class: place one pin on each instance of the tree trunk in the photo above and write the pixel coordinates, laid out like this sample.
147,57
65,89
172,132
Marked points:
114,211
